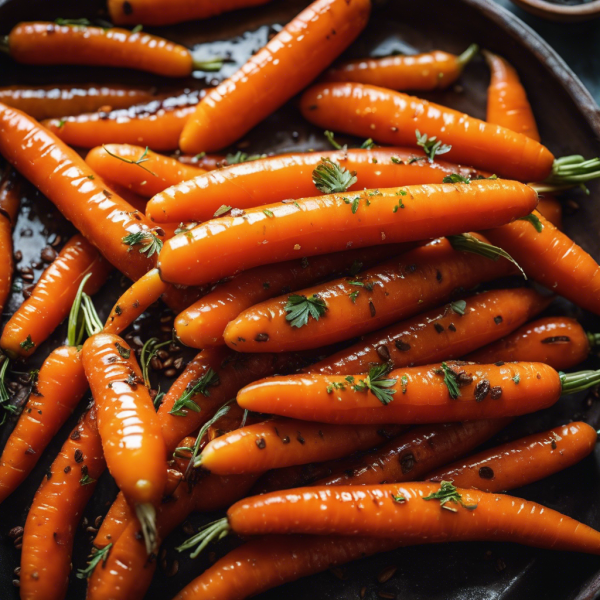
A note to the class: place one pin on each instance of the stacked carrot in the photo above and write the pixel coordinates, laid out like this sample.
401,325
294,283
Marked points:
347,370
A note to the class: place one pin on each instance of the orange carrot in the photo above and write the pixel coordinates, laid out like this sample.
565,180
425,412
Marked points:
9,207
551,209
208,162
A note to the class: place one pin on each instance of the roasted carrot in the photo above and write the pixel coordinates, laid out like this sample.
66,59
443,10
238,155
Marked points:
522,461
47,101
507,103
104,218
551,209
428,71
553,259
41,43
393,118
130,432
208,162
277,178
559,342
203,323
443,333
454,391
9,206
56,510
289,61
280,232
53,296
152,12
351,306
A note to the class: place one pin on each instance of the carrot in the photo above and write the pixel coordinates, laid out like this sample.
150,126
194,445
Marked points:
557,341
551,209
57,100
349,307
289,61
428,71
551,258
203,323
279,232
41,43
157,124
276,178
507,103
152,12
429,394
127,423
121,163
522,461
56,510
208,162
53,296
442,333
104,218
392,118
9,207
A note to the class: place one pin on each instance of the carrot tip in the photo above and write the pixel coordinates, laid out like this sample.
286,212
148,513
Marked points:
146,515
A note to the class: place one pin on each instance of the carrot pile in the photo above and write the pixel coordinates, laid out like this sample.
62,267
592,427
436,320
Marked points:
362,316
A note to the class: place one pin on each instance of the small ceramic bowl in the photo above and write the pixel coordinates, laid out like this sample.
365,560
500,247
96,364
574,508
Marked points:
561,12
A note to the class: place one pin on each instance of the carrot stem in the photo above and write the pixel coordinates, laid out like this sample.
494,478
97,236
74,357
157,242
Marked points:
195,460
213,531
467,55
577,382
93,325
573,169
146,514
211,64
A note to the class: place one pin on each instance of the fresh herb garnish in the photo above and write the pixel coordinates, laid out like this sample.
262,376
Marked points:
86,479
396,160
459,307
456,178
331,178
331,139
353,296
27,344
123,352
367,144
377,384
150,244
221,211
137,29
334,385
404,383
242,157
534,220
398,498
73,22
185,401
300,308
517,379
431,146
269,213
449,493
96,556
449,380
142,159
61,124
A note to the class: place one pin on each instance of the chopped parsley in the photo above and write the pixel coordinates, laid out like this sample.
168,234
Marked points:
300,308
331,178
27,344
431,146
449,493
449,380
150,244
377,384
459,307
223,209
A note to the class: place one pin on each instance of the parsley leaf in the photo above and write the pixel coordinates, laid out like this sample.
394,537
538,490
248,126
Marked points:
149,243
456,178
330,178
431,146
300,308
449,493
398,498
534,220
123,352
269,213
517,379
459,307
27,344
449,380
86,479
367,144
200,386
377,384
222,210
353,296
94,559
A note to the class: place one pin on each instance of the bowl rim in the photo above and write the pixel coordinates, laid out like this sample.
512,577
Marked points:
583,9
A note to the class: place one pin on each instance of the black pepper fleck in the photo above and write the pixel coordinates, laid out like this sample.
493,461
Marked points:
486,473
498,320
402,346
482,389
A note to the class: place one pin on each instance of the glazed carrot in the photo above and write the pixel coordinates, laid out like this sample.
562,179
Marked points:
127,423
428,71
523,461
456,391
289,61
551,209
152,12
164,171
61,174
208,162
330,223
553,259
392,117
557,341
157,124
53,295
9,207
41,43
56,510
276,178
442,333
507,103
47,101
351,306
203,323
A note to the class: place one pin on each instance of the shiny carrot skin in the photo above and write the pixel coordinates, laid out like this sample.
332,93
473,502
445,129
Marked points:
288,62
395,289
522,461
426,399
331,223
392,118
276,178
439,334
552,259
208,162
167,171
48,101
130,431
203,323
9,206
56,510
62,175
551,209
428,71
559,342
53,295
507,103
40,43
152,12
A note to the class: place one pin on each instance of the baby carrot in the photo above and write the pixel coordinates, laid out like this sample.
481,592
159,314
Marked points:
9,206
551,209
522,461
454,391
41,43
428,71
351,306
556,341
208,162
53,296
277,178
289,61
56,510
121,163
443,333
330,223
